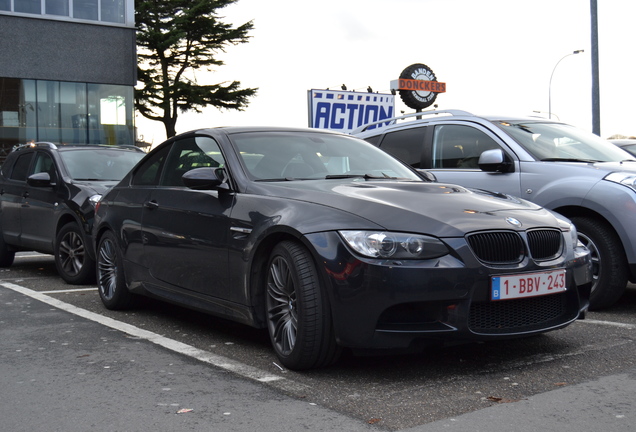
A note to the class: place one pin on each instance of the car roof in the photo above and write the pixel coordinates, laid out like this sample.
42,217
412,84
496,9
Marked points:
241,129
65,147
427,116
623,141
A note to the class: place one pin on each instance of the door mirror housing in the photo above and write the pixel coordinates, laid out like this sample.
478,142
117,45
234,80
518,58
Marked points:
495,161
427,175
41,179
206,179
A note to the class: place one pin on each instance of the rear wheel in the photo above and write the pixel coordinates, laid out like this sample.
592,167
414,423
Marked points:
6,256
298,312
111,282
73,263
609,265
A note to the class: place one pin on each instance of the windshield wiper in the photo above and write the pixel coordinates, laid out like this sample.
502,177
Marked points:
569,160
278,179
364,176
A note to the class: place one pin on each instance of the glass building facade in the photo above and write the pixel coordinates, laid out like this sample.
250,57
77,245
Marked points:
68,72
65,112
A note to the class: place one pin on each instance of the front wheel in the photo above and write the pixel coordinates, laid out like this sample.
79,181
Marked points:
609,265
111,282
73,263
298,313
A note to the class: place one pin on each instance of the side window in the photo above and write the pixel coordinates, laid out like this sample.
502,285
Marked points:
149,172
190,153
405,145
21,167
44,163
375,140
459,146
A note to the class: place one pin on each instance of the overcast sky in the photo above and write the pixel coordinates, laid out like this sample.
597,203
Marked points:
495,56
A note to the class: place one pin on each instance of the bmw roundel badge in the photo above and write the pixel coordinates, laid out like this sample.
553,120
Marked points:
513,221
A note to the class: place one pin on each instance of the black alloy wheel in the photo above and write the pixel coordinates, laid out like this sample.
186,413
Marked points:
73,263
298,313
111,282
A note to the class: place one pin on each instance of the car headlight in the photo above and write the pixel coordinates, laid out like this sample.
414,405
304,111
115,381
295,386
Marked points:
624,178
392,245
94,199
574,235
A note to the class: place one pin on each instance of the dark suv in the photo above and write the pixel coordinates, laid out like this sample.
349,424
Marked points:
47,198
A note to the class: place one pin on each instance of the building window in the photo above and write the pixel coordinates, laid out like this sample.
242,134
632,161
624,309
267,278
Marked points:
57,7
108,11
85,9
64,112
113,11
28,6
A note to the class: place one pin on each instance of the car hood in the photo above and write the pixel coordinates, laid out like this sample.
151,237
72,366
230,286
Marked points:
628,165
443,209
95,186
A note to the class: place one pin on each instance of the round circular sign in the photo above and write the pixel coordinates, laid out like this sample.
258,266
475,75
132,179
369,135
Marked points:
418,99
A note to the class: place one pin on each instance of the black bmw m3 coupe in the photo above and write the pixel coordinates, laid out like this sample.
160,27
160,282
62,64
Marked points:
330,243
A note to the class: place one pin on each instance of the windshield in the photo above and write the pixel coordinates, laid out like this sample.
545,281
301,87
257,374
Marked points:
310,155
99,163
555,141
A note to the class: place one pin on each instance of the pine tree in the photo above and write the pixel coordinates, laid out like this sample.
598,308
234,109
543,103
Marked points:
175,38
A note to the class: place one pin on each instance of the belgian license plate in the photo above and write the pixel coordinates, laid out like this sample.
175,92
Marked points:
527,284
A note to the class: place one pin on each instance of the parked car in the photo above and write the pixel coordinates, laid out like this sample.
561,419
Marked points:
329,242
47,198
549,163
627,144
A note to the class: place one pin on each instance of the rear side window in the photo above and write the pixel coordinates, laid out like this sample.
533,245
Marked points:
405,145
148,173
190,153
21,167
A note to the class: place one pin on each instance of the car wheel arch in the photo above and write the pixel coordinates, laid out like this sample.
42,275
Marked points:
601,235
258,270
67,218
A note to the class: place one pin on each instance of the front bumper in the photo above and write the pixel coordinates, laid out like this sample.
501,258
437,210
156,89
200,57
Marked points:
394,304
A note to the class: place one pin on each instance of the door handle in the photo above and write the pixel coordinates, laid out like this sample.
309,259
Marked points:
151,205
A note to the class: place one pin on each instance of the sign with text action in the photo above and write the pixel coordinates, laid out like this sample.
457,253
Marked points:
344,111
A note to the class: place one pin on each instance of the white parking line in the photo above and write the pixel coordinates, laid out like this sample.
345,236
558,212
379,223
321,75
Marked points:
68,290
608,323
225,363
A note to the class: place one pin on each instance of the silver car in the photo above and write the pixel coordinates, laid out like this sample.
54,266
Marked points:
575,173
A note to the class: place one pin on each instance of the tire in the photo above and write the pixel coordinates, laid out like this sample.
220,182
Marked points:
73,263
609,265
408,96
298,313
6,256
111,281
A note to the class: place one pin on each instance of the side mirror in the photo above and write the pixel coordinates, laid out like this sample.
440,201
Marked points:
427,175
494,161
41,179
205,179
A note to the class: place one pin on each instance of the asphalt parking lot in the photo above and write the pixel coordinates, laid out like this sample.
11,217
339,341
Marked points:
390,392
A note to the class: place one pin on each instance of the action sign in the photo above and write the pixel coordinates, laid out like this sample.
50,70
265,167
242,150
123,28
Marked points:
344,111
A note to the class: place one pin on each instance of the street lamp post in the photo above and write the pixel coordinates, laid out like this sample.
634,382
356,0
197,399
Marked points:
550,86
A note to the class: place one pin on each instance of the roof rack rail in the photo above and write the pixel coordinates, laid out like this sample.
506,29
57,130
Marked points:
35,144
394,120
